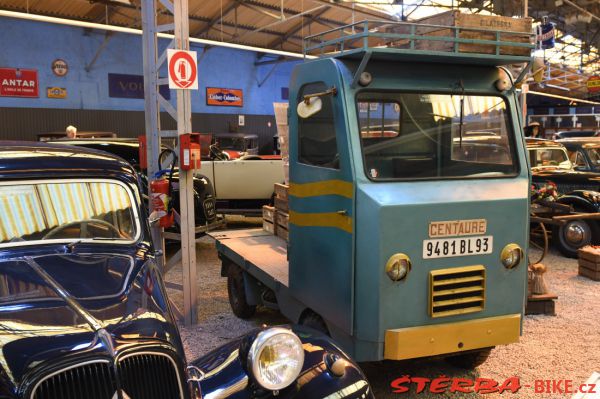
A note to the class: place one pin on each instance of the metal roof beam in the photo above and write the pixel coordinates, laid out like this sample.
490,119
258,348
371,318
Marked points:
290,33
217,18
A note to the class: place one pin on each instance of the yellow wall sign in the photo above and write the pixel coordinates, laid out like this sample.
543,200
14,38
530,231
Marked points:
56,92
593,84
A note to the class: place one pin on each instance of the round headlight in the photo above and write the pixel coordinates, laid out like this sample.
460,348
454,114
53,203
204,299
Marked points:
511,256
276,358
397,267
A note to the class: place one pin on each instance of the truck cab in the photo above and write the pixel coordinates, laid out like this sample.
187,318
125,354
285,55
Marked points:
408,200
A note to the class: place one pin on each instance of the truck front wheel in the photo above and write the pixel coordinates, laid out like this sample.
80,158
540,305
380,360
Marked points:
313,320
237,293
470,360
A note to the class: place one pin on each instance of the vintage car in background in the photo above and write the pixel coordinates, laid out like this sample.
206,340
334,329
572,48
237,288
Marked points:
128,149
241,186
584,153
81,135
84,311
565,134
236,145
550,163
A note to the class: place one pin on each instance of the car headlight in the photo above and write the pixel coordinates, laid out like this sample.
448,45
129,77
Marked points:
511,256
397,267
276,358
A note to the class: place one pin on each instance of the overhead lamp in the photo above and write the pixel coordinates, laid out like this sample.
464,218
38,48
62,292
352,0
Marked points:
557,87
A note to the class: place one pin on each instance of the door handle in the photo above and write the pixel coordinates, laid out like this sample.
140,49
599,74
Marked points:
342,212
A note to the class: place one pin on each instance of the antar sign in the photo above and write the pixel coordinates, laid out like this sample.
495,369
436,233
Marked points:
183,69
16,82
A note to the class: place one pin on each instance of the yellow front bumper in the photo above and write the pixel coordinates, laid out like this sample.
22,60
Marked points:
439,339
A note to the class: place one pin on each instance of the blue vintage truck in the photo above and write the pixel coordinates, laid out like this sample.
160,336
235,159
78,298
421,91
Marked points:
408,195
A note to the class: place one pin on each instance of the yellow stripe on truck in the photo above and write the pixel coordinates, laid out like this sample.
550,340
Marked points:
325,187
322,219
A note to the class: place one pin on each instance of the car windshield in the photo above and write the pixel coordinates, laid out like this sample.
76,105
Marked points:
594,154
232,143
435,136
549,157
71,210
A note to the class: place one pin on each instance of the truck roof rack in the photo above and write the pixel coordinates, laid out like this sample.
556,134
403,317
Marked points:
422,42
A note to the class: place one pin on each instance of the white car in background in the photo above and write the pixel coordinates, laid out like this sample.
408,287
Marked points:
242,185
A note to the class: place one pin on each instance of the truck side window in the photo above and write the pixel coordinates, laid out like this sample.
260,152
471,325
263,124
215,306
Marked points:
316,135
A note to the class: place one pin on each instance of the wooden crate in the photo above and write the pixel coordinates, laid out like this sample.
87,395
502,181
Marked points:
268,213
492,23
281,191
282,220
282,233
269,226
281,205
589,262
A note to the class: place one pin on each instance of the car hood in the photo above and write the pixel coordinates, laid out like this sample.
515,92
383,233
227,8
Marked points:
562,175
71,306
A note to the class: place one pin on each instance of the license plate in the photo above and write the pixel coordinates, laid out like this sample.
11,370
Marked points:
448,247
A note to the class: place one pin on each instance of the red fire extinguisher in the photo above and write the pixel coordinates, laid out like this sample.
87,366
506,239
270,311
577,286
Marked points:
161,200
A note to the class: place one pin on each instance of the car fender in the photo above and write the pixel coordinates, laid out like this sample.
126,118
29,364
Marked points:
224,371
583,200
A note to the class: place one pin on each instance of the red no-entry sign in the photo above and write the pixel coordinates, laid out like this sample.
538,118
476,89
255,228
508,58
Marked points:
183,69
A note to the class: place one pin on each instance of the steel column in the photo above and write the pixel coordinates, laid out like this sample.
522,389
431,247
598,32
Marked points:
183,115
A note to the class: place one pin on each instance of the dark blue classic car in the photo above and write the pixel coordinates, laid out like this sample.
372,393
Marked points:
84,312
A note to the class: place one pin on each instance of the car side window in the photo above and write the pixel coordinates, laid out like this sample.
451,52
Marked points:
317,143
579,160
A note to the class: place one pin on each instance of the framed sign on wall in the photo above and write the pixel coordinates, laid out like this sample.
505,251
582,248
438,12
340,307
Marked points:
224,97
17,82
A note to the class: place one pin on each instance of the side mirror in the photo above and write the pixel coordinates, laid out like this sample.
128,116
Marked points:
309,107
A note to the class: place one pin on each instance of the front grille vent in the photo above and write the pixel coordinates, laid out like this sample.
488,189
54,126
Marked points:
146,375
89,380
149,376
456,291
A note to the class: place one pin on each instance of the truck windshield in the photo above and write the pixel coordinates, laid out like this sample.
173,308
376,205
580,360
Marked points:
66,211
408,136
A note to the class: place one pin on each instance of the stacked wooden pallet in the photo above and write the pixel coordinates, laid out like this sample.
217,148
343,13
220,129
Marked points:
589,262
276,219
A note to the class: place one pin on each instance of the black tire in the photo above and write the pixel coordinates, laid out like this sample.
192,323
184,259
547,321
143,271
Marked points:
573,235
470,360
237,293
313,320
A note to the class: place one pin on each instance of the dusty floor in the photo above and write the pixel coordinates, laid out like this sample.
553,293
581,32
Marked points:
564,347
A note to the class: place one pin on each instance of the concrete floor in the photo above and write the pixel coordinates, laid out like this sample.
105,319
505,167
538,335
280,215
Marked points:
564,347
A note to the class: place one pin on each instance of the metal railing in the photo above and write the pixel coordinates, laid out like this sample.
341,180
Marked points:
408,37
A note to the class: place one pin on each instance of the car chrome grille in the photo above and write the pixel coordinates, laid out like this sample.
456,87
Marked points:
147,375
456,291
94,380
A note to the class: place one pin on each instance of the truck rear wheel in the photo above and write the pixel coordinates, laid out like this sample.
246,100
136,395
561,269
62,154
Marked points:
237,293
470,360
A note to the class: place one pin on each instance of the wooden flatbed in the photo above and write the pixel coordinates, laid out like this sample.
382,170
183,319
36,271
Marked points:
261,253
